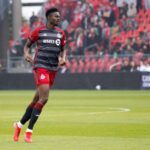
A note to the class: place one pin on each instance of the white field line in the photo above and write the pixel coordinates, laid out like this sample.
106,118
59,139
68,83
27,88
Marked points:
121,110
107,112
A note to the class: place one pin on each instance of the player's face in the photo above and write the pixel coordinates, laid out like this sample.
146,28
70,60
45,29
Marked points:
54,18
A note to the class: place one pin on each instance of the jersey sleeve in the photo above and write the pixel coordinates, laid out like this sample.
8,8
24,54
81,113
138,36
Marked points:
34,35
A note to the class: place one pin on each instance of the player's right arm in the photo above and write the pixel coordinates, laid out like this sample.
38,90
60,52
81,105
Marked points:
27,55
33,37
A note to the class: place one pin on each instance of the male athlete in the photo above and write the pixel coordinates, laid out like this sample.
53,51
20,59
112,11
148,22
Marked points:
50,54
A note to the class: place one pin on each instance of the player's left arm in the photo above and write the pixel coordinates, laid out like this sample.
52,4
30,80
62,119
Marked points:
62,56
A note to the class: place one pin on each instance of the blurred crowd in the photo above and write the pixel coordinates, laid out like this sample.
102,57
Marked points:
102,35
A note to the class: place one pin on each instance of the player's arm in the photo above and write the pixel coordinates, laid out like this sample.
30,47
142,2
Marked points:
62,57
33,37
27,55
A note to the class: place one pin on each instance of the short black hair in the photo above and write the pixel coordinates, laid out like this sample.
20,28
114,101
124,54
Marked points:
51,10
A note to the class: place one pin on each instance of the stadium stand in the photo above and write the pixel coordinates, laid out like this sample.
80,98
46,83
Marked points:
102,35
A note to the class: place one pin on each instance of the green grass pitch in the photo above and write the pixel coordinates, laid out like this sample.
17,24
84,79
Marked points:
80,120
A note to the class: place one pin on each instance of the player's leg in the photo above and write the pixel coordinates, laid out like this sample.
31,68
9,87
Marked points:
43,91
43,98
29,109
25,117
44,80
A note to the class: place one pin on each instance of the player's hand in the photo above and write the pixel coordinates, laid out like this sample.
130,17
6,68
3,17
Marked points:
28,57
62,62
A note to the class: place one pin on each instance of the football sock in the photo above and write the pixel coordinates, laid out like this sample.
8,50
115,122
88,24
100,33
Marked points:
35,114
29,130
19,124
27,114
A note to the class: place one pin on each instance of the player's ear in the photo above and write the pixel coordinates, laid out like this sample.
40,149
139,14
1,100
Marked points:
49,17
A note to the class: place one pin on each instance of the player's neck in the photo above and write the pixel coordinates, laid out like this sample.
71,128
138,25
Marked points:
50,26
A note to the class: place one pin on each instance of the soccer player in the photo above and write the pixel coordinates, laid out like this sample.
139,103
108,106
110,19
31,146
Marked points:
49,55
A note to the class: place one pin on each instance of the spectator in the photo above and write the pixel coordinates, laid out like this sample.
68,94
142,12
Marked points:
126,66
139,5
37,23
32,19
106,35
144,66
131,10
24,31
79,43
133,66
109,16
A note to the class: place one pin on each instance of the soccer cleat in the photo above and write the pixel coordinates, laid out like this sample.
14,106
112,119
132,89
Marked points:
28,137
16,132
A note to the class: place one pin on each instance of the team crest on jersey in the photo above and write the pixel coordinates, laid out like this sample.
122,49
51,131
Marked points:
59,35
42,77
57,42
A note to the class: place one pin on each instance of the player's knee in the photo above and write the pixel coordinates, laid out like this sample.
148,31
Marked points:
43,100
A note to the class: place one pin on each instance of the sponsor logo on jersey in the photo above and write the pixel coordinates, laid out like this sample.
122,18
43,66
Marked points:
48,41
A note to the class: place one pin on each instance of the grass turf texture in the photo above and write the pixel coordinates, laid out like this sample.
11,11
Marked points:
80,120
